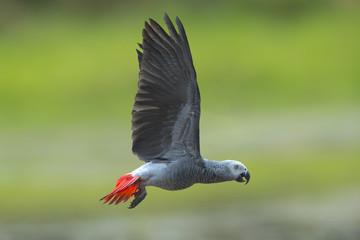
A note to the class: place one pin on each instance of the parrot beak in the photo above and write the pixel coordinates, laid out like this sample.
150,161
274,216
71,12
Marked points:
245,175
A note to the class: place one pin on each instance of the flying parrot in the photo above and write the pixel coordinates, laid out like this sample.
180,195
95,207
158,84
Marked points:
165,121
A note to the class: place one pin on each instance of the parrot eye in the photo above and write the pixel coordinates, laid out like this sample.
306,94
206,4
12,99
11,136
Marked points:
236,166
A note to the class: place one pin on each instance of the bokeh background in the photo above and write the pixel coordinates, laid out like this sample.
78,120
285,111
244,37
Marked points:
280,87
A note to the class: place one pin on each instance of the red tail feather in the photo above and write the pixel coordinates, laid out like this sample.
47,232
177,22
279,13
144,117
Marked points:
125,188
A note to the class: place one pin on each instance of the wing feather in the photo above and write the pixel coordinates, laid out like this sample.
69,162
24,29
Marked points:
165,117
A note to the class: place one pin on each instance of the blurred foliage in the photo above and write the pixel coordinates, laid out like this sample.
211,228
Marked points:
64,67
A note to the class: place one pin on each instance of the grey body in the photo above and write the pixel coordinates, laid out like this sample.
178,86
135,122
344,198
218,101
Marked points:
183,173
165,117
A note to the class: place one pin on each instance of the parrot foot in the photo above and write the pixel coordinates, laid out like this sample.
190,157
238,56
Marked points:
139,196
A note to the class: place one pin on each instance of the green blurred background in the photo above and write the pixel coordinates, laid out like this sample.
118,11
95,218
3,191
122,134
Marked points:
280,87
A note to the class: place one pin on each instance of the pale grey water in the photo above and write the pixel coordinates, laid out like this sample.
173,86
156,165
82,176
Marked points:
327,217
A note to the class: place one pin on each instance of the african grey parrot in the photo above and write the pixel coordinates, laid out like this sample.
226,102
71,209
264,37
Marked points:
165,121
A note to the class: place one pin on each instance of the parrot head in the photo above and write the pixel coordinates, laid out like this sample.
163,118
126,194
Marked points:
238,171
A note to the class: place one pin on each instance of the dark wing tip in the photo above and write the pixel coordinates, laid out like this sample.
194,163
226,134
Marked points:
177,19
147,24
180,28
166,16
140,56
153,23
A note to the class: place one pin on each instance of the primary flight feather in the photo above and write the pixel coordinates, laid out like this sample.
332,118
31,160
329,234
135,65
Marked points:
165,121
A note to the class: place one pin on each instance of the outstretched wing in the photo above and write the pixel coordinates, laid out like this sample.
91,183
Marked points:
165,117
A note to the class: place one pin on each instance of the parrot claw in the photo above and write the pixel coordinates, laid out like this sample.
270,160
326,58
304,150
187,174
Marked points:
139,196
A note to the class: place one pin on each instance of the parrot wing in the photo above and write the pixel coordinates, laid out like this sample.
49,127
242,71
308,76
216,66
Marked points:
165,116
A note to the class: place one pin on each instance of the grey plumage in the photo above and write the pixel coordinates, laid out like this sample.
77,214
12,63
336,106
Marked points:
185,172
165,117
165,121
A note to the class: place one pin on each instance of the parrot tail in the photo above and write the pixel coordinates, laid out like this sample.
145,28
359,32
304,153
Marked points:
126,187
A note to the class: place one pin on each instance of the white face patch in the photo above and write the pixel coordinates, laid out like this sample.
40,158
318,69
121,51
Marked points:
236,167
